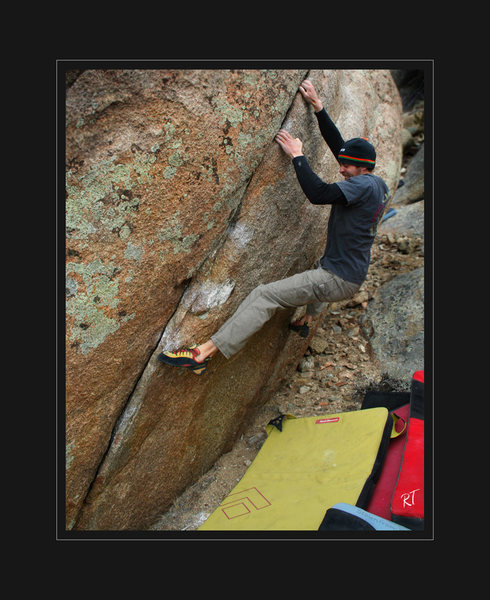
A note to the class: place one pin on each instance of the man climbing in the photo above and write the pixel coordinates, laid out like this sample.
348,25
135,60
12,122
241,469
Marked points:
358,204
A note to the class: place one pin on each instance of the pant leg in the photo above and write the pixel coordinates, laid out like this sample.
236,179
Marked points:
315,308
332,289
310,287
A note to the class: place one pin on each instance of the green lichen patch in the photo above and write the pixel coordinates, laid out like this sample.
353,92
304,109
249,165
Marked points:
103,199
92,302
174,235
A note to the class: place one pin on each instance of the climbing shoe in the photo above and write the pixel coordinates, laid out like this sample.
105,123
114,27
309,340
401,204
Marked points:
303,330
185,357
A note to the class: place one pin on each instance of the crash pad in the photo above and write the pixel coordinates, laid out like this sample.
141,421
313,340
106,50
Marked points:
398,403
305,466
380,501
407,504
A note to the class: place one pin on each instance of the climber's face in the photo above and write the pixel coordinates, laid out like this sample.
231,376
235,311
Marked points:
348,170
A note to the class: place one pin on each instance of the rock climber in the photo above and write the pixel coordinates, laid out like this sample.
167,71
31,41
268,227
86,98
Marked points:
357,206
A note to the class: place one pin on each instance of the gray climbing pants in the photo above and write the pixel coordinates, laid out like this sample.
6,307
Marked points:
311,289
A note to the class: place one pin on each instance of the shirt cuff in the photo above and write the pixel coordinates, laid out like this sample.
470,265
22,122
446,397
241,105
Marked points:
297,160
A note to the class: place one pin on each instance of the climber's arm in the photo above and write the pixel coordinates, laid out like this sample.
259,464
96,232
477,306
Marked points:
328,129
329,132
316,190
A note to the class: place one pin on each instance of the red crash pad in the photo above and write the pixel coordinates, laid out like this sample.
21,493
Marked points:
407,504
380,503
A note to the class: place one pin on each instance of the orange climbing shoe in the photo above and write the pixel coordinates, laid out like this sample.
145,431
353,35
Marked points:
185,357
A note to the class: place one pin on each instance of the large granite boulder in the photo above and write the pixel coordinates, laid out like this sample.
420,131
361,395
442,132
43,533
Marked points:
178,204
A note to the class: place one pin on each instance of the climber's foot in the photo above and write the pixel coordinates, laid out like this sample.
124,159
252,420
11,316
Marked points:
186,358
301,326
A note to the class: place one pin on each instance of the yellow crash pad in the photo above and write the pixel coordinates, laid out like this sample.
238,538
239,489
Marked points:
303,470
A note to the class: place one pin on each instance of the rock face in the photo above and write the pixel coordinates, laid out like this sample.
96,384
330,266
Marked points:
178,204
397,315
413,190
